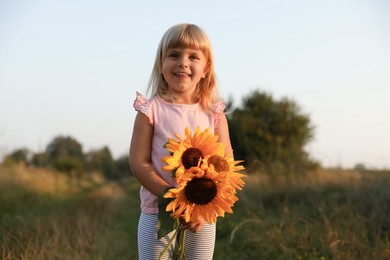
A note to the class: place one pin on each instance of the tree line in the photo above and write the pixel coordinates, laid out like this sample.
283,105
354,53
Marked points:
267,133
65,154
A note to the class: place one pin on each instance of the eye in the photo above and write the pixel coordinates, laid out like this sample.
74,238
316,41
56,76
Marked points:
173,55
194,57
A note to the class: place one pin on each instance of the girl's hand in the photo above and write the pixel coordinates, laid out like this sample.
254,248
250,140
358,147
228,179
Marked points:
192,226
195,227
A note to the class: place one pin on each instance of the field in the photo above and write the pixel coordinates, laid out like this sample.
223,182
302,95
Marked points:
328,214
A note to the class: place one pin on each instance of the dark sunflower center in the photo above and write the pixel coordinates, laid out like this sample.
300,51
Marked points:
190,157
200,190
220,164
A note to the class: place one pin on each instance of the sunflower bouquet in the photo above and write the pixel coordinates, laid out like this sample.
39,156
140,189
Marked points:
207,179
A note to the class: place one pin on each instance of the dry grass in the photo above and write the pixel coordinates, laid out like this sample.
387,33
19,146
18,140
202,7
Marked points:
338,177
328,214
47,215
47,181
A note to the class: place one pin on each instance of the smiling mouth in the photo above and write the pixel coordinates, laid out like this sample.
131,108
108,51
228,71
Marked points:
181,75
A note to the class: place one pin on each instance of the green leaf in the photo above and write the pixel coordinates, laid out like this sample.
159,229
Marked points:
165,223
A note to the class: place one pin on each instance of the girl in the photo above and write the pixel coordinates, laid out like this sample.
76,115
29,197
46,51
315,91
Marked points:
183,94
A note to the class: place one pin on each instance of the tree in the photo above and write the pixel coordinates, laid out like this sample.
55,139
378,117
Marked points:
65,154
18,156
273,132
101,160
40,160
122,166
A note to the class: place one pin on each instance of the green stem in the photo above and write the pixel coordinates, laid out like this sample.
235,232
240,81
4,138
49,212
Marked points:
169,244
179,251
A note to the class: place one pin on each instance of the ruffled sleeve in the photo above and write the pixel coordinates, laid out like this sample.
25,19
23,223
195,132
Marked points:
142,105
218,110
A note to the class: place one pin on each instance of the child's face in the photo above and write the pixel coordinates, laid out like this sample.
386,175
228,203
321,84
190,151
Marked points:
183,68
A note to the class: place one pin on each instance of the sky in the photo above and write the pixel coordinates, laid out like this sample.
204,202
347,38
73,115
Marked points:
72,68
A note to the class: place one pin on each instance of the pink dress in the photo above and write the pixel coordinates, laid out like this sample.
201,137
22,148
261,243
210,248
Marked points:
167,119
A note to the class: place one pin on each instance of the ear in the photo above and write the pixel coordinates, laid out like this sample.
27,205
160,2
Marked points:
206,69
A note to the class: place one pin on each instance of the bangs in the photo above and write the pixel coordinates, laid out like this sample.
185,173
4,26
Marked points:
188,37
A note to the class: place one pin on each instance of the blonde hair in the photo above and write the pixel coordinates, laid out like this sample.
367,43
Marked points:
185,36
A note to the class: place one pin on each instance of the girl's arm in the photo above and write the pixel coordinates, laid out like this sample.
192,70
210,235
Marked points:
140,156
223,132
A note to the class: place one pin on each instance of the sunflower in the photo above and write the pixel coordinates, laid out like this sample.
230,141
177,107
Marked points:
186,153
202,193
228,166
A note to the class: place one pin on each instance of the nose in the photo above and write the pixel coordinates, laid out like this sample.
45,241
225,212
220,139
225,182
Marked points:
182,63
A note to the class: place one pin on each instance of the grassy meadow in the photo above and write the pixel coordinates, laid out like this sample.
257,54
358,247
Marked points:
328,214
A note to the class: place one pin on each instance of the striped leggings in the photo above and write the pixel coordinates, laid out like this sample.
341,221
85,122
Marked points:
198,245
